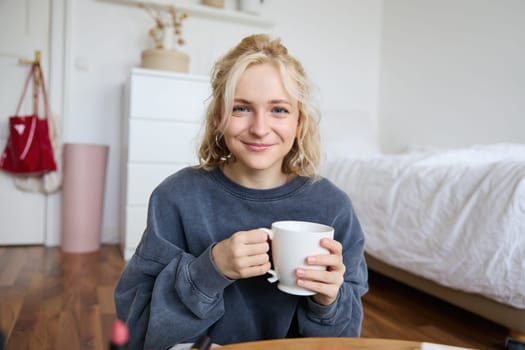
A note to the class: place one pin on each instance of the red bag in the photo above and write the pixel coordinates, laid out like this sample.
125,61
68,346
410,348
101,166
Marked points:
28,150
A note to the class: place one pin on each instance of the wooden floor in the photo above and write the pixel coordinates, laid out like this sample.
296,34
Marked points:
50,300
394,310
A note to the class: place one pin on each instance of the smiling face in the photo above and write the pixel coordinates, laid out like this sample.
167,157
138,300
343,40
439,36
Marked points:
262,127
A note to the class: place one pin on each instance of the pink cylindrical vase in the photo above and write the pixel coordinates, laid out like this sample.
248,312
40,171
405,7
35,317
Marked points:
84,168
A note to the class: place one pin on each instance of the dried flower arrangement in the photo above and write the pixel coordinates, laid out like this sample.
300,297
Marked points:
168,24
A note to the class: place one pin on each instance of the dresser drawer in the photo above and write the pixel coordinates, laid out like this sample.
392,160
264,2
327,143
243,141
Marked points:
161,132
135,224
143,178
162,141
159,97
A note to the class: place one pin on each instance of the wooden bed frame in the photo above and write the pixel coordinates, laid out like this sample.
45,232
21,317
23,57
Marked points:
505,315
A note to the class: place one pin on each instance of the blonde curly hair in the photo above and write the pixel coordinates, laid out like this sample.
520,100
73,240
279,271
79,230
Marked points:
304,156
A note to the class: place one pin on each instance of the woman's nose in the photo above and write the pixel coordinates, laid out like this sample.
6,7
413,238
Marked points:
259,125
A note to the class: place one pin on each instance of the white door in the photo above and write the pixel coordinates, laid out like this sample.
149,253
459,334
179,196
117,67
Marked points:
24,28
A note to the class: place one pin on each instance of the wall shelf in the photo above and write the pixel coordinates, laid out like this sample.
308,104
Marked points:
198,10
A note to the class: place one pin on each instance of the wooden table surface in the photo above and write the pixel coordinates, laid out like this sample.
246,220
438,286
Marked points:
326,344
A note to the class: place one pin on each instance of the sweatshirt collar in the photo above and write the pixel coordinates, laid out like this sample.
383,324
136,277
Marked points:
246,193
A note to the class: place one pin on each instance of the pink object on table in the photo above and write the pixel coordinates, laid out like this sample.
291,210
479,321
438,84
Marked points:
83,196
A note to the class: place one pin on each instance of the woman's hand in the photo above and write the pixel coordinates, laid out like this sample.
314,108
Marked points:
325,283
243,255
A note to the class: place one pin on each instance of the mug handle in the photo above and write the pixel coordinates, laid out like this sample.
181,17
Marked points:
274,278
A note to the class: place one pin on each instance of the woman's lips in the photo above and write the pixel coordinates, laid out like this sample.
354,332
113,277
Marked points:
257,147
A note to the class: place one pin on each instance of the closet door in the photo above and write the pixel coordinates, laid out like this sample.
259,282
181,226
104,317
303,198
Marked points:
24,29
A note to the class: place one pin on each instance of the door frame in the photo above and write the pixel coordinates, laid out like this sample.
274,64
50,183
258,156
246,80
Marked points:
59,70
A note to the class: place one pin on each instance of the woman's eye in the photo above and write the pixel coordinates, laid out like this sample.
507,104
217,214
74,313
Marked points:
240,109
280,110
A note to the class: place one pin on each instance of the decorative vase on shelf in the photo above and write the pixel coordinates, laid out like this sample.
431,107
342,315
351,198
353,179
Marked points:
166,36
165,59
213,3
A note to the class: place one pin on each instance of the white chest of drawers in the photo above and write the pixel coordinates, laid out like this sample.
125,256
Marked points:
163,120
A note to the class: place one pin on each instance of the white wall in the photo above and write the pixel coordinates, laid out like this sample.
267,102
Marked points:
452,73
338,42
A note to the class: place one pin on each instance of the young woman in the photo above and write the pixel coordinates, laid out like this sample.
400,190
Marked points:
201,266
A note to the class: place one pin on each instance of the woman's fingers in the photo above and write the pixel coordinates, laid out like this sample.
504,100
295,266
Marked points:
327,277
335,247
326,282
248,243
255,270
244,254
248,237
333,261
325,292
251,260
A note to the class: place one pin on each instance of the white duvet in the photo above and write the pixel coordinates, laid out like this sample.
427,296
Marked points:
456,217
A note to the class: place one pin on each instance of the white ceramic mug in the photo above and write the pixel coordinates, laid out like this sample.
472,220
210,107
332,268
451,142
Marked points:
292,243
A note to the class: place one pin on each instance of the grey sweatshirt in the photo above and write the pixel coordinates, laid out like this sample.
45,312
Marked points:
172,292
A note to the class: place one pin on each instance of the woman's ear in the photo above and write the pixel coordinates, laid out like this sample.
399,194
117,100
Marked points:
300,124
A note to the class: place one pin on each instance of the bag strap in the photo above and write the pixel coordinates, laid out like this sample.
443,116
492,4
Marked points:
43,85
36,89
25,89
29,140
52,125
32,74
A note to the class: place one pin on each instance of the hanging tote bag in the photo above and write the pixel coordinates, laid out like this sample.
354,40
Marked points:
28,150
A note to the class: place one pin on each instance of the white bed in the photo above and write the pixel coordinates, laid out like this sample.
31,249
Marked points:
454,218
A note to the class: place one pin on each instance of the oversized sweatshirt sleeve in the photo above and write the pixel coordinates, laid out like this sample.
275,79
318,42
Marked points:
344,316
165,294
